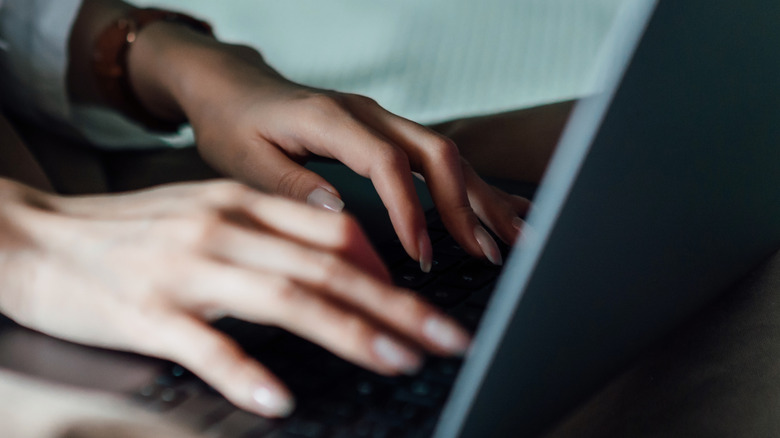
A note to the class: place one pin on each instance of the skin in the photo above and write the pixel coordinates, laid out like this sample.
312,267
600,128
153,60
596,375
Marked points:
254,125
69,267
148,271
522,140
73,414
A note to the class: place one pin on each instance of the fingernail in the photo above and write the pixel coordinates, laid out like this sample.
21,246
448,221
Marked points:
488,246
446,335
397,355
518,223
322,198
426,252
272,403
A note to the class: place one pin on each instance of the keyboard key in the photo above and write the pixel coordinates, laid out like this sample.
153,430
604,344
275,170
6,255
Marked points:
370,428
481,297
436,235
393,253
446,297
472,275
334,411
442,262
442,371
402,412
243,424
336,369
421,393
450,247
305,383
436,225
304,429
367,392
202,411
468,315
410,276
422,388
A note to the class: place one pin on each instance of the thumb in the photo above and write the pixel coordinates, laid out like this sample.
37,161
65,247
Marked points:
276,173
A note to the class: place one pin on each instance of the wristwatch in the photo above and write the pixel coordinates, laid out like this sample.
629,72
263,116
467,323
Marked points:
109,61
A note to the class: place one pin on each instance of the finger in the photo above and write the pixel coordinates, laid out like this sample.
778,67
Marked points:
221,363
268,253
338,232
270,298
274,300
500,211
273,171
371,155
440,163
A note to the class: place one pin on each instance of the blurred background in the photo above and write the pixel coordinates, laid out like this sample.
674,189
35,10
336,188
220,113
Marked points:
429,60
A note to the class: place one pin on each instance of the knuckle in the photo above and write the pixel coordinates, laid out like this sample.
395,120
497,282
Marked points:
217,354
243,50
362,100
286,291
330,267
442,149
357,332
393,158
228,192
325,103
201,228
413,307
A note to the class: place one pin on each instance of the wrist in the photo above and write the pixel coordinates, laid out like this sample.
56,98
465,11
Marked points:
131,78
176,71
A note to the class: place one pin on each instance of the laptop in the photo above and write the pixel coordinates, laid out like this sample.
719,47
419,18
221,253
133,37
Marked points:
662,194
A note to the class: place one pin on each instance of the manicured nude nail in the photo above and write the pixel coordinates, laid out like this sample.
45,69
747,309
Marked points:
446,334
397,355
272,402
488,246
518,223
322,198
426,252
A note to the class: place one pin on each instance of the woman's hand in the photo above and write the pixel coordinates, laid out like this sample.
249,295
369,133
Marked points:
147,271
32,408
254,125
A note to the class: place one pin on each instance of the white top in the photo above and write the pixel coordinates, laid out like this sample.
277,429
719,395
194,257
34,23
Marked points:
34,37
427,61
33,56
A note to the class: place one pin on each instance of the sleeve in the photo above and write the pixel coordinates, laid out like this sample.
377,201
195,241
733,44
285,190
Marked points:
34,37
33,59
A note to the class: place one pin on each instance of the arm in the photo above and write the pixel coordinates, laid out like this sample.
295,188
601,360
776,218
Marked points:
148,271
254,125
514,145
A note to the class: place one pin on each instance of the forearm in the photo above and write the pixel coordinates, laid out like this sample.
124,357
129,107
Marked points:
172,68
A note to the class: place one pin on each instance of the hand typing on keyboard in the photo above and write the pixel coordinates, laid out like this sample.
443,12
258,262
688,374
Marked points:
148,271
254,125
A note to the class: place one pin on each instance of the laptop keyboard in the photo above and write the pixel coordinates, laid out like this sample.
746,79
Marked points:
334,397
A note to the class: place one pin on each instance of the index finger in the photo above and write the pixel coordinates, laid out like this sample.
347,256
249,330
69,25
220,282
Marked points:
370,154
439,160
